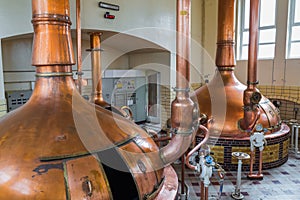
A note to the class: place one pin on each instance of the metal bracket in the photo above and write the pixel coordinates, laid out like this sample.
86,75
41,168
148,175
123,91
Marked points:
185,133
252,83
53,74
181,89
97,49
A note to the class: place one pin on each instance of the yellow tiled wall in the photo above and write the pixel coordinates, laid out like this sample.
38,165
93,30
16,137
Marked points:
218,153
3,108
166,99
241,149
285,150
195,86
289,96
271,153
291,93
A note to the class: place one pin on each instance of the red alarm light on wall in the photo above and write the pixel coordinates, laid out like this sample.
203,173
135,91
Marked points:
107,15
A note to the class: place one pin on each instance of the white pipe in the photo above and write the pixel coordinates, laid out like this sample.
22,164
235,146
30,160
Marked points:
239,176
292,137
297,153
237,192
296,138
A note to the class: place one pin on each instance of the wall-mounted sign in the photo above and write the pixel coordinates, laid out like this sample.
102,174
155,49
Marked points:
109,6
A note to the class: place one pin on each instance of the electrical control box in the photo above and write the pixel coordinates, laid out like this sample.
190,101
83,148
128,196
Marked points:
129,92
16,99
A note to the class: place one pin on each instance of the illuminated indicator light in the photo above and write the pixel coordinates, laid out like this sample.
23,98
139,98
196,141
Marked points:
108,16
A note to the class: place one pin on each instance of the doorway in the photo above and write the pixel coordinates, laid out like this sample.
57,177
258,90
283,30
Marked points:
154,98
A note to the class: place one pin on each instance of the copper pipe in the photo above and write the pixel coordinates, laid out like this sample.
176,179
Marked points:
97,94
41,53
206,193
95,43
251,96
225,44
183,27
182,108
202,189
196,148
161,139
252,156
182,175
78,37
259,174
260,163
253,44
153,134
251,114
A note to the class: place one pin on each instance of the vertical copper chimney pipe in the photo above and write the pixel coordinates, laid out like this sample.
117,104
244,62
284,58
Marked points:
95,43
253,44
78,37
182,106
184,113
225,56
183,28
251,95
97,94
58,36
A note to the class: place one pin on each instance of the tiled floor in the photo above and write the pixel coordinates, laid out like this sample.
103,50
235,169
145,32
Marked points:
281,183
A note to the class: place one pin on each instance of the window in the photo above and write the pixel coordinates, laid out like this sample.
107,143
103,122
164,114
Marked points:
267,29
293,44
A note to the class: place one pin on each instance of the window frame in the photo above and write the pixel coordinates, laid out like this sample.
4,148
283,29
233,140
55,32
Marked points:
291,24
242,30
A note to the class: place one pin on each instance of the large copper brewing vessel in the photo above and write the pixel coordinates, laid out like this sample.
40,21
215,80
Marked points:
237,109
230,93
58,146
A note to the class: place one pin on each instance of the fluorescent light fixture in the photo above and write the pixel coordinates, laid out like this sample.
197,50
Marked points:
109,6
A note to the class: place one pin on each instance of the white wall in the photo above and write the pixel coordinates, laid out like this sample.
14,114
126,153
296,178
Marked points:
15,18
152,20
158,62
149,19
278,71
2,96
203,52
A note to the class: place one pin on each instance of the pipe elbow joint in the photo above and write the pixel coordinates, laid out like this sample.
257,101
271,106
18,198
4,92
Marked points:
184,114
251,109
251,97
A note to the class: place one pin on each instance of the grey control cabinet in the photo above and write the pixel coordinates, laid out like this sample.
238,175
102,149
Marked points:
16,99
129,92
141,104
